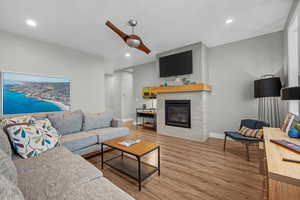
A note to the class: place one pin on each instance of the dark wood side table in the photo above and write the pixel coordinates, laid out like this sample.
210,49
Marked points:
131,167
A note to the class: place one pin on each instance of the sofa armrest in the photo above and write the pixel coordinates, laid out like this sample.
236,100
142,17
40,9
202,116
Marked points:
116,123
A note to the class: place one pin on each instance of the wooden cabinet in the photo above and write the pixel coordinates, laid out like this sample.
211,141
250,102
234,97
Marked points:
282,178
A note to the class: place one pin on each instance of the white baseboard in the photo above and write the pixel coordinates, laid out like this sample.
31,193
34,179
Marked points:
216,135
127,120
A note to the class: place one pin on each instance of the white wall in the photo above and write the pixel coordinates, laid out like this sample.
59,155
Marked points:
233,68
127,110
20,54
109,92
119,94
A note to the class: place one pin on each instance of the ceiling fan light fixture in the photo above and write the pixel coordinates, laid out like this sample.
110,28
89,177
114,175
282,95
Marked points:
133,42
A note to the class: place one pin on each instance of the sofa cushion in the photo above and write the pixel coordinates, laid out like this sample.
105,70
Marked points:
96,120
4,143
89,149
110,133
7,167
31,140
98,189
52,178
77,141
58,153
67,122
40,116
8,190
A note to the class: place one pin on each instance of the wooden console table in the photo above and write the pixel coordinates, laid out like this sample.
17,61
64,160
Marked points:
282,178
146,114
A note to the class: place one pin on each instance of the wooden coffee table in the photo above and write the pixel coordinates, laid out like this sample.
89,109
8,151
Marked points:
133,168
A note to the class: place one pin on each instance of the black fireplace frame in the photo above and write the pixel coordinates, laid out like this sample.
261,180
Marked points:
178,124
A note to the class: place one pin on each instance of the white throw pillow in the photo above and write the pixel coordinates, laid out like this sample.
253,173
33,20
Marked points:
31,140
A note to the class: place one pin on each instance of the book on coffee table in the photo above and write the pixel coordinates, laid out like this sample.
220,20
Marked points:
129,143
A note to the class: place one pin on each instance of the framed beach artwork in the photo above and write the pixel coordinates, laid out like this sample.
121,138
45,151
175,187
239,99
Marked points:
26,93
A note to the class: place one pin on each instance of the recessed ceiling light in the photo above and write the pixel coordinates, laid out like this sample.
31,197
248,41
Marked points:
31,22
127,55
229,21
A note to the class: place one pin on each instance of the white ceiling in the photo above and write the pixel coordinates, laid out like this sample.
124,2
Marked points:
163,24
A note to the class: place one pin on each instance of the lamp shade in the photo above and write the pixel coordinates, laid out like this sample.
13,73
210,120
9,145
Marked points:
267,87
290,93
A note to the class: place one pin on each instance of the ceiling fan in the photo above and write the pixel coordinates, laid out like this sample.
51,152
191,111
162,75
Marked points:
131,40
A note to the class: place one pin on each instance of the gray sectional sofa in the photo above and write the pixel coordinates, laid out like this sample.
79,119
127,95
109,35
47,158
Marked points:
60,173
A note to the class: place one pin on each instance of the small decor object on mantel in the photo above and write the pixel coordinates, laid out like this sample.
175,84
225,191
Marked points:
186,81
287,123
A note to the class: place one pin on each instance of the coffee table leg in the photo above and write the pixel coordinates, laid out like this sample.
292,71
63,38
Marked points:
139,172
158,160
102,156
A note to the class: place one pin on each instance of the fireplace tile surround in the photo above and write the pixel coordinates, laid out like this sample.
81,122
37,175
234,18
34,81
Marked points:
198,130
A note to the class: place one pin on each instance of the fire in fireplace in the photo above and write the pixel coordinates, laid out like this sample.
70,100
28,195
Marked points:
178,113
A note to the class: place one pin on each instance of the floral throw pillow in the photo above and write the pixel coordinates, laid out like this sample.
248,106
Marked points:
32,139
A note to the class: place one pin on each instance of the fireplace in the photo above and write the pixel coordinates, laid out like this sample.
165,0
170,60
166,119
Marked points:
178,113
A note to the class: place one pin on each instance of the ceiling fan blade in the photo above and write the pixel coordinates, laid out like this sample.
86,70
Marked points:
143,48
116,30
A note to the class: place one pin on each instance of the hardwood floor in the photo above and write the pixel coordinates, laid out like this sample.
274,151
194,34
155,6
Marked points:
193,170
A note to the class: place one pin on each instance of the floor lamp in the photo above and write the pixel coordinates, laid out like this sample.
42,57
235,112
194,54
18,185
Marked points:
267,90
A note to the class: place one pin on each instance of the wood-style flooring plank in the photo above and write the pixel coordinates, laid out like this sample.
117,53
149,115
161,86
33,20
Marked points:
192,170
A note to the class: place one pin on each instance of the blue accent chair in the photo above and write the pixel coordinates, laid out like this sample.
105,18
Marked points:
249,123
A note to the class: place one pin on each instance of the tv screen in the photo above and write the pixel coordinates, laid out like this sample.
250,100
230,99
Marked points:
176,64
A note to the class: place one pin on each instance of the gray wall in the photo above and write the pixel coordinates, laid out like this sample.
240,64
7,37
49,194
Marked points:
20,54
143,75
291,106
233,68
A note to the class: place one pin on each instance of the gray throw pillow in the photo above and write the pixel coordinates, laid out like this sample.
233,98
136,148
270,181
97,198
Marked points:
96,120
9,191
7,168
67,122
4,143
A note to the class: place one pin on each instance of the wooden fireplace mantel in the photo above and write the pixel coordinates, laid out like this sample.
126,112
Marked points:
182,88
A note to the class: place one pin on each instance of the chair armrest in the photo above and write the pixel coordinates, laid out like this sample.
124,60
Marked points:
116,123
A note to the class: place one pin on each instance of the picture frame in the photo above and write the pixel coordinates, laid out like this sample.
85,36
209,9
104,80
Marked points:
23,93
287,122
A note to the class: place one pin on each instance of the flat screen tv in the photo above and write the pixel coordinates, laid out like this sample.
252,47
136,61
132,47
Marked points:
176,64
